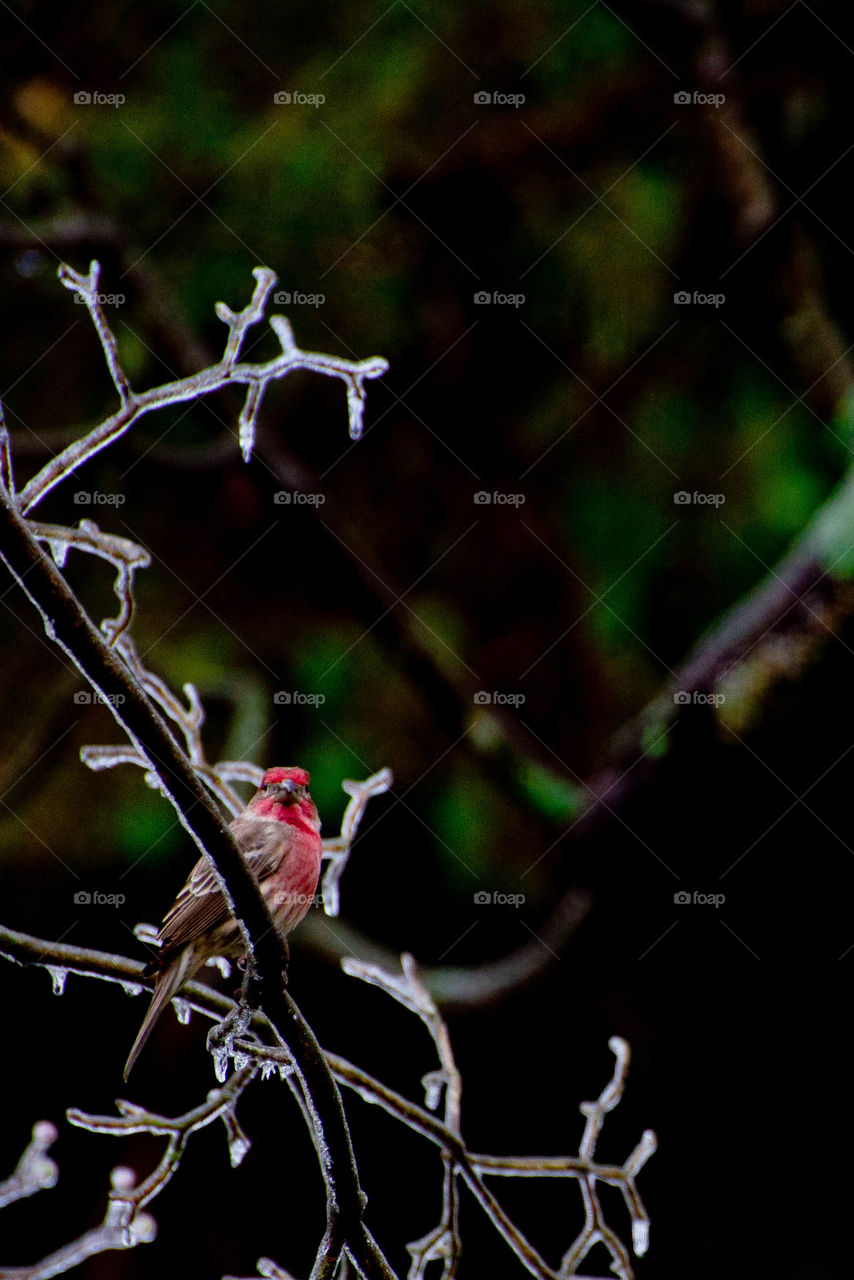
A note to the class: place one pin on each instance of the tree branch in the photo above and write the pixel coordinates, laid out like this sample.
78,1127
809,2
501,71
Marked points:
67,624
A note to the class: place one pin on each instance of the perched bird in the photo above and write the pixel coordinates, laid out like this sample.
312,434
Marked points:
279,836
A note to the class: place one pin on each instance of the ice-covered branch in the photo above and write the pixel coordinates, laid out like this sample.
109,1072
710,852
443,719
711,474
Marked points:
443,1243
220,1104
86,287
117,1231
595,1228
124,555
67,624
338,848
6,477
255,377
164,736
445,1133
35,1171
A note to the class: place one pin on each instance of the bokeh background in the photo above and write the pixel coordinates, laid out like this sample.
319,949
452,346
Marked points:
654,201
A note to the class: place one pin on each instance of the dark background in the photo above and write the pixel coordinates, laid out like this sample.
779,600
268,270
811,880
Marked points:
592,402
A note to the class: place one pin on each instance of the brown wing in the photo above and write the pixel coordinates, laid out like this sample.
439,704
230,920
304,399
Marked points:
200,905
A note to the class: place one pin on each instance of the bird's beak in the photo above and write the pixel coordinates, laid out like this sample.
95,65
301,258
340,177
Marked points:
288,792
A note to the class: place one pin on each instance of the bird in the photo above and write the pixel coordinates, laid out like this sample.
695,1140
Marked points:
278,834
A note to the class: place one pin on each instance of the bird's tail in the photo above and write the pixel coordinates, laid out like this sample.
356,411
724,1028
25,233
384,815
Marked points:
169,981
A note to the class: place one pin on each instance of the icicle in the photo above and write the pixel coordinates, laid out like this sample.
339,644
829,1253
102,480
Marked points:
220,1061
59,551
640,1236
238,1145
355,408
58,975
331,897
182,1010
433,1083
248,417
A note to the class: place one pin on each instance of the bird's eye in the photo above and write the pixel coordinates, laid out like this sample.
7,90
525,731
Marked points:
268,788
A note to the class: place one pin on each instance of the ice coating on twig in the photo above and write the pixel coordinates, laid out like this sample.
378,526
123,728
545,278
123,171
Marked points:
228,372
6,476
35,1171
87,288
125,1223
338,849
443,1243
442,1084
123,554
120,1229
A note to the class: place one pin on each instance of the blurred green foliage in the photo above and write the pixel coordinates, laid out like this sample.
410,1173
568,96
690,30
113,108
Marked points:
397,199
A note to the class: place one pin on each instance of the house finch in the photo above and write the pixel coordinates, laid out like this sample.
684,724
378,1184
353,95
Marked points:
279,836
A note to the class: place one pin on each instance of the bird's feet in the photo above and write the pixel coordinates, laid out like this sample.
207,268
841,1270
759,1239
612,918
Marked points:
236,1022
